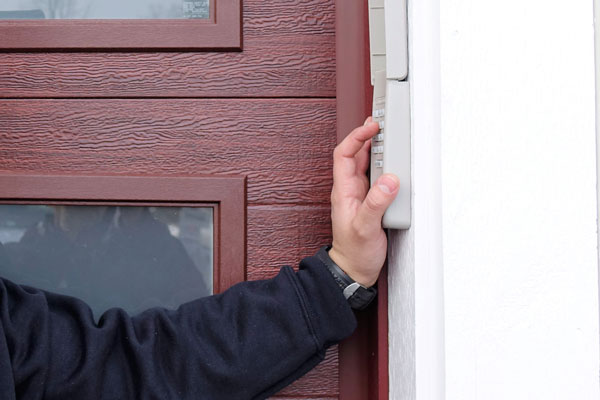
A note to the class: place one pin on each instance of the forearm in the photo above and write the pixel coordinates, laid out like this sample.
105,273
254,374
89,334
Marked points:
245,343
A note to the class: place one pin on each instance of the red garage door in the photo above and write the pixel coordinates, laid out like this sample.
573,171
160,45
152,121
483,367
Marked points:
263,108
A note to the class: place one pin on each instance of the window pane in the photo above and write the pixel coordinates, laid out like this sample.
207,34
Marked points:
103,9
129,257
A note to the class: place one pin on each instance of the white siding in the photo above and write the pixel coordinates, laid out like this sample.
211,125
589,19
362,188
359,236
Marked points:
518,206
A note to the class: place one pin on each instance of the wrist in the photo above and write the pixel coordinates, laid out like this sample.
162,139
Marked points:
346,265
357,295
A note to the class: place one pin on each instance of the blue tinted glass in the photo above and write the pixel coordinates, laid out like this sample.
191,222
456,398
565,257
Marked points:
128,257
104,9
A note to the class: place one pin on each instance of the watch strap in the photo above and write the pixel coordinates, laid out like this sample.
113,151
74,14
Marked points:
357,295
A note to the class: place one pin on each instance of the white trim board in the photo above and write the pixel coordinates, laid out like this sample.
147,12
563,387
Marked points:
416,315
597,77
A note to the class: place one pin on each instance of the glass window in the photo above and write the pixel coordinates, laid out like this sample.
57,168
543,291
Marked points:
104,9
110,256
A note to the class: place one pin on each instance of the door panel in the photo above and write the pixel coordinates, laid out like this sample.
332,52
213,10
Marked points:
268,112
284,235
283,145
289,51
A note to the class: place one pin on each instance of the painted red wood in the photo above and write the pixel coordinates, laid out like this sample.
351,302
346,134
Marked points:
221,31
284,235
353,90
381,359
321,382
283,146
289,51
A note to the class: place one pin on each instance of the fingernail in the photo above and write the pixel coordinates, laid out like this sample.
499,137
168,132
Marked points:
388,183
366,121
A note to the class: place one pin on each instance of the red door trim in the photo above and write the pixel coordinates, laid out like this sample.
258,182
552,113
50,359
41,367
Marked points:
382,345
229,193
353,82
222,31
364,356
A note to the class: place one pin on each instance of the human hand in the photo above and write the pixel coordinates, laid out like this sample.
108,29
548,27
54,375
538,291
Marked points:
359,242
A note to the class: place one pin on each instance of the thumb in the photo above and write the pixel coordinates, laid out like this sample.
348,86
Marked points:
377,201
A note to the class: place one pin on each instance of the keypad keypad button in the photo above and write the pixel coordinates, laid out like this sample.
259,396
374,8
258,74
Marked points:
377,149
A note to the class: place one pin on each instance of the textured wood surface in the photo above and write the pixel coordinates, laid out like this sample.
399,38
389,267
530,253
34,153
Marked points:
284,146
320,382
283,235
289,51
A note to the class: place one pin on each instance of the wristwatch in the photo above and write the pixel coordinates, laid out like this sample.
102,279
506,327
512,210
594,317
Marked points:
358,296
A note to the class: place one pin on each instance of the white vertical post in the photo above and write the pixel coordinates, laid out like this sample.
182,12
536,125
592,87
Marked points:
597,54
597,76
416,302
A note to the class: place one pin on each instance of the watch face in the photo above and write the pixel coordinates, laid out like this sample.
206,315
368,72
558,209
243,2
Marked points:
351,289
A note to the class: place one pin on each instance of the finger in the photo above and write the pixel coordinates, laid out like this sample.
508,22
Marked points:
369,119
344,164
354,141
362,158
378,199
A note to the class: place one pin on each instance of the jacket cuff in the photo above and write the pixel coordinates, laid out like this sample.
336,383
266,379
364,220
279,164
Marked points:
328,310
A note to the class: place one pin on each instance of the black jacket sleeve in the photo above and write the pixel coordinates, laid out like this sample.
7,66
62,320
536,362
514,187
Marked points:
246,343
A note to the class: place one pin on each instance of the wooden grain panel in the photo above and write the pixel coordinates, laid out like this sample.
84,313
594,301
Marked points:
289,51
322,381
280,235
284,146
288,18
